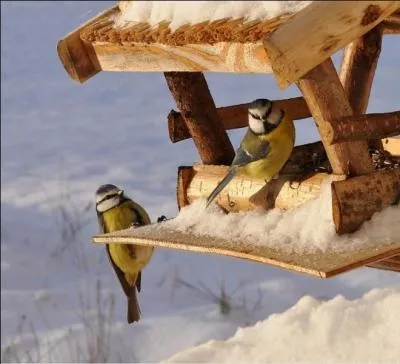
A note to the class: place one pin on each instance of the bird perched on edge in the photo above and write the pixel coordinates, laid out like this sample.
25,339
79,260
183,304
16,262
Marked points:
115,212
266,146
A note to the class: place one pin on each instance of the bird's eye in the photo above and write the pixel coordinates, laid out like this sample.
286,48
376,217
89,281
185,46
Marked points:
254,116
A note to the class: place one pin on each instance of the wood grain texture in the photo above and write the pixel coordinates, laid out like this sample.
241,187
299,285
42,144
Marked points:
315,33
321,265
363,127
392,264
245,194
235,116
193,98
356,199
156,57
79,59
327,101
357,72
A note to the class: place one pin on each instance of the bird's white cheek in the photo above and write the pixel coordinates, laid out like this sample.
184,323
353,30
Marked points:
256,126
107,204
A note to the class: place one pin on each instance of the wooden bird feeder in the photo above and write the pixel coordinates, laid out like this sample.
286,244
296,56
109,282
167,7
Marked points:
295,48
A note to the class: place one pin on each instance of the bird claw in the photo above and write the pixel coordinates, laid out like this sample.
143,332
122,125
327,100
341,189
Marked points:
162,218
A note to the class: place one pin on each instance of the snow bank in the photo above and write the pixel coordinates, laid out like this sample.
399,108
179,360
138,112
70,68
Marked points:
184,12
308,228
364,330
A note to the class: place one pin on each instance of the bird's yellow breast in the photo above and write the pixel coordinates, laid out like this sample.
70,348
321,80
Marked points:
129,258
281,142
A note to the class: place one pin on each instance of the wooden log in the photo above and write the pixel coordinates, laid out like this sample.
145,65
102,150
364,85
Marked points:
79,58
363,127
319,30
327,101
235,116
244,193
357,72
356,199
197,106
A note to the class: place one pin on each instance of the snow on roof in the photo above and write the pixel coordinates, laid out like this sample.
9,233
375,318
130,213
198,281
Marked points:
306,229
191,12
364,330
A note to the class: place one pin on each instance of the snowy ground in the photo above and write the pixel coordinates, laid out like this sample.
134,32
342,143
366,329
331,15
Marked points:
61,140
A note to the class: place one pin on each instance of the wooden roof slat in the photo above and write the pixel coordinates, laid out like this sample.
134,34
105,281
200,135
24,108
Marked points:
322,265
315,33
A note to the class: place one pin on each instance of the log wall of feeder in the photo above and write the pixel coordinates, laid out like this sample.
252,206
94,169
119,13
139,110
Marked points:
235,116
194,100
357,72
356,199
327,101
245,194
363,127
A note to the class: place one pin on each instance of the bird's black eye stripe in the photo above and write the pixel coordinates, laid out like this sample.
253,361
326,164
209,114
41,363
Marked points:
254,116
107,198
265,116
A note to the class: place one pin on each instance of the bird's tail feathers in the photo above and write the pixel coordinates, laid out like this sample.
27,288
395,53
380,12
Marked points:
133,307
229,176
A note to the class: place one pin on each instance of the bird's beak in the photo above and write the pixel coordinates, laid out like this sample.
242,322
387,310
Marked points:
120,192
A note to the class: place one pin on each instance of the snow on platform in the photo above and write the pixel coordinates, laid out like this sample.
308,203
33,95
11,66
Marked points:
302,240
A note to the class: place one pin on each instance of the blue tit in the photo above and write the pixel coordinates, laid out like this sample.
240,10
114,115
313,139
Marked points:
115,212
266,146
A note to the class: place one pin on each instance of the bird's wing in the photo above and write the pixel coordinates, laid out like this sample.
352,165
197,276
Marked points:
250,150
120,274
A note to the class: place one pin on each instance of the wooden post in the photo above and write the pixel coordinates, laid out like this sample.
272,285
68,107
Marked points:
327,101
363,127
197,107
235,116
357,72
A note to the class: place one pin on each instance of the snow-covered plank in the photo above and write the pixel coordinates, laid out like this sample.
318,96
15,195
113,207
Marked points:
315,264
318,31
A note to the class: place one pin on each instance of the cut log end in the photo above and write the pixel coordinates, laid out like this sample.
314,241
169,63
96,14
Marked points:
356,199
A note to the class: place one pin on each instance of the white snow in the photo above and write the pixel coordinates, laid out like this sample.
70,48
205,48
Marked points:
191,12
60,141
308,228
366,330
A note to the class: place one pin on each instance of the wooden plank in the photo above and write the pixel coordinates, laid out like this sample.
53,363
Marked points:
392,145
357,72
363,127
157,57
245,194
356,199
319,30
392,264
79,59
235,116
194,100
327,101
324,265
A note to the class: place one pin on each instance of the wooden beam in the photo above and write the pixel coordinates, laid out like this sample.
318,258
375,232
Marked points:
319,30
235,116
244,193
227,57
79,58
363,127
356,199
390,27
392,264
357,72
392,145
194,100
327,101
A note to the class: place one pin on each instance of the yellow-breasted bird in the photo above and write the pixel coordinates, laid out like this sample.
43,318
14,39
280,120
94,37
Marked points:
115,212
266,146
